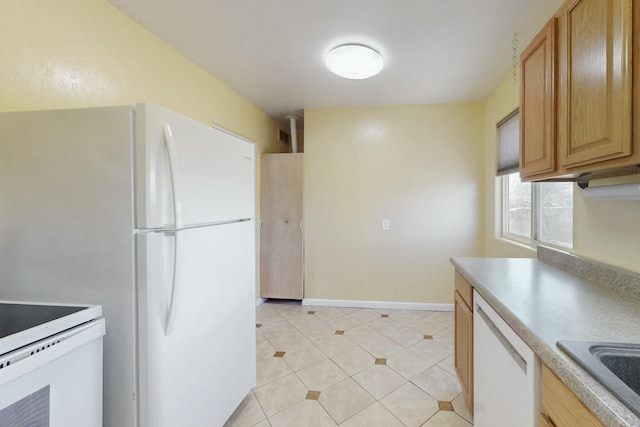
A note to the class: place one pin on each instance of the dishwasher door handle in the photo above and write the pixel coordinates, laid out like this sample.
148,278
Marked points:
520,361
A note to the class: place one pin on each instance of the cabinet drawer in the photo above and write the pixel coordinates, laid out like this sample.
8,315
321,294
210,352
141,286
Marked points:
465,289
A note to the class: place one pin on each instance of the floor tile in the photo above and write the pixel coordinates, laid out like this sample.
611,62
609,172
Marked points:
460,407
426,326
305,321
446,419
280,394
270,369
379,380
247,414
318,332
382,347
404,336
444,317
288,311
446,336
408,363
378,371
407,316
365,315
374,415
361,334
289,341
448,364
438,383
432,350
330,313
335,344
321,375
280,328
344,399
410,405
343,323
354,360
384,325
264,349
267,317
308,413
303,356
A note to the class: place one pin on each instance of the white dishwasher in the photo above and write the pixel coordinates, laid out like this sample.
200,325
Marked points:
506,372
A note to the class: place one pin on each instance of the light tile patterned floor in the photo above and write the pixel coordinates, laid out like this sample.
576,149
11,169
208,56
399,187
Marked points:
329,366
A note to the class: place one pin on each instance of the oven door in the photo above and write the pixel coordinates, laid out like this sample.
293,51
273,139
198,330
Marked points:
55,382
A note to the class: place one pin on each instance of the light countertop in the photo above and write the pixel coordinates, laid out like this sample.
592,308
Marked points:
544,304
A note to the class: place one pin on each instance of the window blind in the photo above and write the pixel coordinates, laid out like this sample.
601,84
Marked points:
509,144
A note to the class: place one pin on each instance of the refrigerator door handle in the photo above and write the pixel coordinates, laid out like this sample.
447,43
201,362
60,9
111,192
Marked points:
175,174
173,301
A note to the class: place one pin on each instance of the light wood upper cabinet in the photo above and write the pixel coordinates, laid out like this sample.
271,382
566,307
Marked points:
578,91
537,109
595,64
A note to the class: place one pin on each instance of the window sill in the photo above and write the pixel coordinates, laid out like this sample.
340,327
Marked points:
520,244
533,245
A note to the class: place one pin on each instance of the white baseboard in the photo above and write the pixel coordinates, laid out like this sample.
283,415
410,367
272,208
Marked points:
260,301
389,305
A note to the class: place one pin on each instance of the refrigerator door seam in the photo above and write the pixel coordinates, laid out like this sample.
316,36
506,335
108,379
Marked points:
189,227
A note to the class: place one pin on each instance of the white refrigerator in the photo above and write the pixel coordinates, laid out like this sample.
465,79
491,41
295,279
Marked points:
152,215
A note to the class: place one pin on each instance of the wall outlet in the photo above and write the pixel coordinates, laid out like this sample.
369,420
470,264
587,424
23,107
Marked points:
385,224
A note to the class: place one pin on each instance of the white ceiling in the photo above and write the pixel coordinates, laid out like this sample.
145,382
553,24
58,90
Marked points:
272,51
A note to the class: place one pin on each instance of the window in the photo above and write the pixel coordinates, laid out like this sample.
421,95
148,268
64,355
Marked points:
537,212
532,212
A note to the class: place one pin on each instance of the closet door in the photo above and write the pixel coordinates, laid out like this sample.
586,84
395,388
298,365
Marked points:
281,241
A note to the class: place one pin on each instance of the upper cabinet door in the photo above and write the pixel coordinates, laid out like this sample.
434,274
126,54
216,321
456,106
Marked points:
537,106
595,70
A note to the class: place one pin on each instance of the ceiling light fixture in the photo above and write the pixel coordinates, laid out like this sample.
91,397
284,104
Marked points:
354,61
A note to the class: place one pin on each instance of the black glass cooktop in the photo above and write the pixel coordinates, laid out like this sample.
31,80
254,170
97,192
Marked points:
15,318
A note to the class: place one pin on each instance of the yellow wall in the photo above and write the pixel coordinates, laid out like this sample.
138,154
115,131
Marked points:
500,103
79,53
603,230
83,53
607,231
418,166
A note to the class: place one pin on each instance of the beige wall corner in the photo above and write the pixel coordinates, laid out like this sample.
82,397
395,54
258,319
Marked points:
500,104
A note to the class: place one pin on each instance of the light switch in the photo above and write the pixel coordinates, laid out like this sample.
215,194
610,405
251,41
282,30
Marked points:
385,224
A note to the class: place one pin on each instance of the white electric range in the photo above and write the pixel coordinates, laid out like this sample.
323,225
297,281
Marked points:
50,364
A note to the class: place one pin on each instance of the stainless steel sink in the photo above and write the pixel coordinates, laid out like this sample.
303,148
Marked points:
614,365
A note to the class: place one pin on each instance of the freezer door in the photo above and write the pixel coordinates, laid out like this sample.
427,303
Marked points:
191,170
201,371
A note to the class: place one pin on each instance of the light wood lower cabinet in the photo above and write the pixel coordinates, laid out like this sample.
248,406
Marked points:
562,408
463,358
281,230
